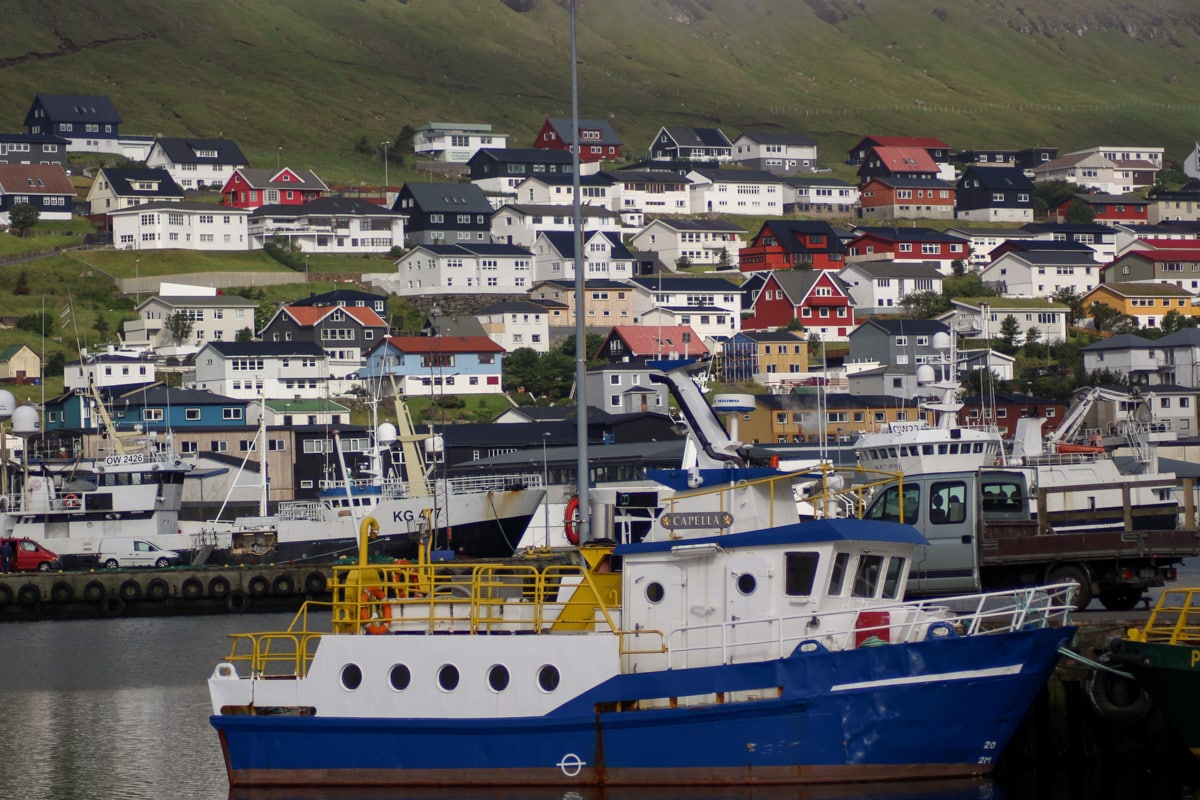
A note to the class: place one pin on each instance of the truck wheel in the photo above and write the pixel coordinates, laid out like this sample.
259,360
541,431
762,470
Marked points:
1069,573
43,566
1120,598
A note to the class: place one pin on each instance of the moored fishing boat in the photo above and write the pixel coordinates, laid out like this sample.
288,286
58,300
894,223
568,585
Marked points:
1163,657
720,640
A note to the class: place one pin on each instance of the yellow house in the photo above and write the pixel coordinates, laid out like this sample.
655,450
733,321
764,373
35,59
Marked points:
805,418
19,364
608,303
1148,303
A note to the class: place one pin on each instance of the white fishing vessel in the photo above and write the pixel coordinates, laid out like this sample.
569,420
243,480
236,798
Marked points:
134,489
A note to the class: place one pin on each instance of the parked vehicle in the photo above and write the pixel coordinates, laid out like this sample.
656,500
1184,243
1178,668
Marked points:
126,551
985,533
29,556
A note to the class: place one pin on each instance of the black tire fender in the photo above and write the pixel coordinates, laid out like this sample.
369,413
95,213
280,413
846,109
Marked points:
192,589
113,606
237,602
218,587
94,592
315,583
29,594
1117,698
283,585
258,586
62,592
158,589
6,594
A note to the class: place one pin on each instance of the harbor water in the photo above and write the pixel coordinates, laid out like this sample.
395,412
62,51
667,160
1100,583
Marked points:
117,709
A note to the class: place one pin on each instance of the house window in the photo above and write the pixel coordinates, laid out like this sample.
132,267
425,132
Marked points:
231,413
191,414
152,414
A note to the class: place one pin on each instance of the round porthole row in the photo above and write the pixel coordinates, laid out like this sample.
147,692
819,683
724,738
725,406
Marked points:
548,678
655,592
746,583
498,677
448,677
400,676
351,677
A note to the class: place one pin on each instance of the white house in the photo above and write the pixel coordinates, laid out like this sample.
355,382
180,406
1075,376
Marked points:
650,192
197,163
455,142
117,187
217,318
1108,169
981,318
736,191
329,225
109,370
780,153
520,225
1041,273
462,268
604,257
558,190
820,196
877,287
252,370
982,241
515,324
180,226
703,242
712,305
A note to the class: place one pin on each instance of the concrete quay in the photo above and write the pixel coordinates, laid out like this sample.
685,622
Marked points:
153,592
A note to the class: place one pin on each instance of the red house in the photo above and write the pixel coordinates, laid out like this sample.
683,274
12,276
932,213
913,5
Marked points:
908,244
597,140
1108,209
898,162
784,243
938,150
907,198
252,188
638,344
816,299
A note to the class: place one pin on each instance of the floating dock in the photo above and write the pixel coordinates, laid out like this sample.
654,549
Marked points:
154,592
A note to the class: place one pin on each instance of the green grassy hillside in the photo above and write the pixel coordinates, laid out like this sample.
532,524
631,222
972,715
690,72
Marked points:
313,76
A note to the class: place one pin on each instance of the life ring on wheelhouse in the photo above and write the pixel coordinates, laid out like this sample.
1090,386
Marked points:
571,520
71,501
375,613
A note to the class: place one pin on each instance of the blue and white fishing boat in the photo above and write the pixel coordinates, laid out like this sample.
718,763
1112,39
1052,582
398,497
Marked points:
720,640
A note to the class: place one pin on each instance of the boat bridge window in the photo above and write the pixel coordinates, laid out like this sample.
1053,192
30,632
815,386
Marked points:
837,575
866,579
891,581
947,502
888,505
801,572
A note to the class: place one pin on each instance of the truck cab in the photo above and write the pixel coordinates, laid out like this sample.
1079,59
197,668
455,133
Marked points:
948,508
29,556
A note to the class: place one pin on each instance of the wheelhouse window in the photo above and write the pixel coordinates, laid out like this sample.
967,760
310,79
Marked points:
801,573
892,580
837,575
866,577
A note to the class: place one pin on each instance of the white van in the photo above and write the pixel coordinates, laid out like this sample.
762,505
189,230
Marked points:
130,552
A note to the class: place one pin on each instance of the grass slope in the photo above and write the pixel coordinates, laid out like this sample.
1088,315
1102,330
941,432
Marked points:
312,76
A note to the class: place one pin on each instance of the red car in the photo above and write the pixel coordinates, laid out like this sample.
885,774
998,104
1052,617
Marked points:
29,556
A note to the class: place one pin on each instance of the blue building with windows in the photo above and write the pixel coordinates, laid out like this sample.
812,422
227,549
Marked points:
155,408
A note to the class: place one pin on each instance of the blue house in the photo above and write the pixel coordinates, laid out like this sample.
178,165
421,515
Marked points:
155,408
438,365
994,194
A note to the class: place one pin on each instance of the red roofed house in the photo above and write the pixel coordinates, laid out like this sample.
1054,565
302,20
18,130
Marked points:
1108,209
343,332
445,364
599,142
784,243
898,162
44,186
252,188
938,150
816,299
1173,266
885,198
637,344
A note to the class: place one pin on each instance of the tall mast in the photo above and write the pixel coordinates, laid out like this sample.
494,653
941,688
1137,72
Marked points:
581,428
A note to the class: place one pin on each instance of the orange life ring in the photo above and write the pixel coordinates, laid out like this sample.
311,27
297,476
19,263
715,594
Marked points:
405,584
375,613
71,500
571,519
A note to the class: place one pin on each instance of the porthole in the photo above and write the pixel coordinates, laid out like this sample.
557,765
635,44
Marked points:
351,677
448,677
746,583
548,678
498,677
400,677
655,592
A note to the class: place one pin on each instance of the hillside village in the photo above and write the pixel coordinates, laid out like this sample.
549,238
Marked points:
933,265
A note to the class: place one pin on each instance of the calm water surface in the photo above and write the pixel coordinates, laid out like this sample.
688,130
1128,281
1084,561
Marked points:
117,709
